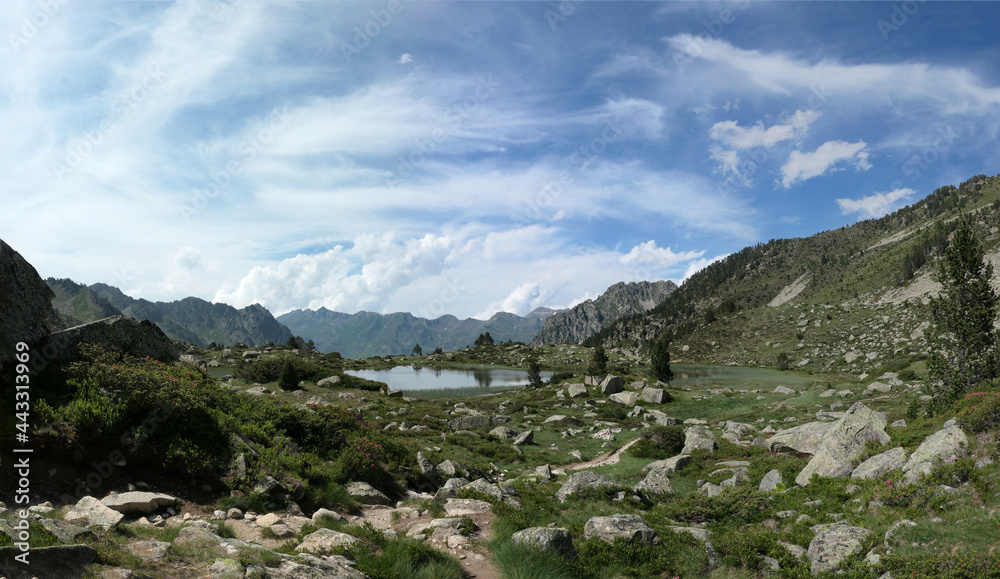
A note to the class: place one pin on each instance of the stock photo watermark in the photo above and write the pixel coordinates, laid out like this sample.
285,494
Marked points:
900,15
714,27
32,26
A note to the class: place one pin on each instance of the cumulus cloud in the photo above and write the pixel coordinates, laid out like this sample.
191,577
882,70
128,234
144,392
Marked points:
732,139
700,264
803,166
520,301
647,256
876,205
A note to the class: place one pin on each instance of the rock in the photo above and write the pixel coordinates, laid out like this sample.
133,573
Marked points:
504,432
234,514
326,540
612,385
329,382
466,507
446,469
544,472
845,393
91,512
832,545
899,424
149,550
656,482
471,423
576,390
579,481
554,418
770,481
784,390
62,561
845,440
138,502
26,312
268,520
320,513
494,491
698,438
740,476
426,467
879,387
592,380
710,490
306,566
654,396
524,438
880,464
624,398
801,441
671,464
552,539
366,494
66,532
630,527
939,447
888,534
606,434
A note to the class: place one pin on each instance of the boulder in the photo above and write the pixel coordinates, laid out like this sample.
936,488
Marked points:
784,390
801,441
880,387
942,446
833,544
366,494
121,333
576,390
740,476
66,532
612,384
770,481
326,540
845,441
630,527
466,507
880,464
62,561
446,469
329,382
91,512
579,481
306,566
504,432
624,398
698,438
654,396
552,539
138,502
149,550
656,482
671,464
321,513
526,437
426,467
471,423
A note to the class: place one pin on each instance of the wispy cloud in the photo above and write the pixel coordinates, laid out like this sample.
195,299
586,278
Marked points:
804,166
877,204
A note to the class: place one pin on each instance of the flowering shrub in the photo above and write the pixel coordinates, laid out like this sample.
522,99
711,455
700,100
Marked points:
979,411
894,492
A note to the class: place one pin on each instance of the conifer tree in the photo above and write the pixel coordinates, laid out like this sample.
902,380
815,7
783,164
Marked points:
963,341
659,357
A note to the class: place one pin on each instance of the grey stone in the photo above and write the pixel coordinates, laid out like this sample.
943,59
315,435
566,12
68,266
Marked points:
446,468
630,527
784,390
612,384
845,440
26,312
624,398
504,432
553,539
833,544
802,441
426,467
366,494
879,387
576,390
329,382
91,512
524,438
320,513
671,464
471,422
326,540
770,481
942,446
66,532
698,437
149,550
579,481
656,482
138,502
544,471
880,464
654,396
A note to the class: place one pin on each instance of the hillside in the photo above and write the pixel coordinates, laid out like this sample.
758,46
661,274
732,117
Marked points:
851,299
192,320
586,319
367,333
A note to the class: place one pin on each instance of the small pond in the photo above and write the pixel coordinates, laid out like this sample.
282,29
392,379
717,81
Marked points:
424,378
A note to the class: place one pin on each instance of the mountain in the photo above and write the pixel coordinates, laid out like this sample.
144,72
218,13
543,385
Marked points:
26,313
586,319
366,333
191,320
852,299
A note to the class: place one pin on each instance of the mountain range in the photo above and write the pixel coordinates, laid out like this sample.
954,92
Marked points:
586,319
366,333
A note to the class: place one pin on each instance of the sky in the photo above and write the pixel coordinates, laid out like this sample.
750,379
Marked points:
469,157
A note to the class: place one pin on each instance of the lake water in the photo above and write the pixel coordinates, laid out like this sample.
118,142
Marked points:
689,375
412,378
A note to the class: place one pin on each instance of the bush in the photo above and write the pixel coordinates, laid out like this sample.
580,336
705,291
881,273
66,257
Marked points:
289,379
659,442
979,411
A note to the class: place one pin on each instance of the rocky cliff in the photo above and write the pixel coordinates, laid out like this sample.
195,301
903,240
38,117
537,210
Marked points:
26,312
586,319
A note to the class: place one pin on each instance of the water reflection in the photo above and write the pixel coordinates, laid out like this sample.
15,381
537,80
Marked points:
417,378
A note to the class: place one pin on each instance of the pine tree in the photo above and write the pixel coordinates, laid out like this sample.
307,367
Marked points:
417,350
534,373
598,361
963,341
659,356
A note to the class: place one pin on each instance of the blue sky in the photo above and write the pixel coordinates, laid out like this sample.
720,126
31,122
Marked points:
469,157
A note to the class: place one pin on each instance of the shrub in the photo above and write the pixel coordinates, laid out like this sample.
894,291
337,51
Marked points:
659,442
612,411
979,411
289,379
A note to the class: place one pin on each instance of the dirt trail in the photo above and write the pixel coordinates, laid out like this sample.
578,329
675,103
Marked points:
605,460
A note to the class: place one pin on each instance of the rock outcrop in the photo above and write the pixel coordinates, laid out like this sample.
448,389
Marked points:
552,539
630,527
26,313
845,441
943,445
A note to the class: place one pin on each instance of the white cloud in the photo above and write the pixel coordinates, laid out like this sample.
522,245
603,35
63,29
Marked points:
406,58
648,257
876,205
520,301
803,166
700,264
736,139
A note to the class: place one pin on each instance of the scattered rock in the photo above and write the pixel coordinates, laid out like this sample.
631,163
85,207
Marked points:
833,544
553,539
579,481
91,512
656,482
138,502
612,384
630,527
880,464
698,438
771,481
366,494
784,390
325,540
943,445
